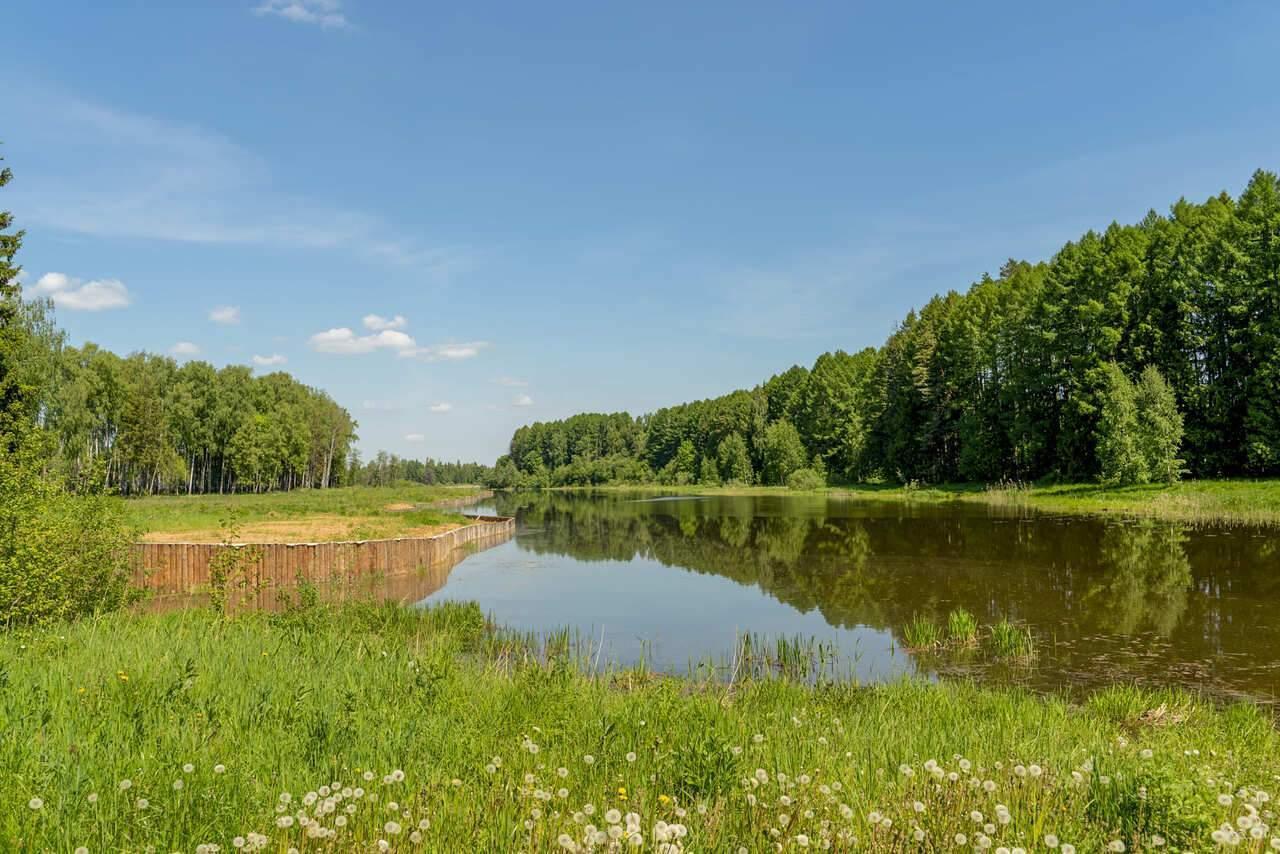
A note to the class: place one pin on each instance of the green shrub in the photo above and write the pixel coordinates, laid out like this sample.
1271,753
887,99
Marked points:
802,479
62,555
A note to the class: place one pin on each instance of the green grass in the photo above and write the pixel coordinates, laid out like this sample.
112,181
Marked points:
922,632
1255,502
1009,640
500,748
962,627
365,506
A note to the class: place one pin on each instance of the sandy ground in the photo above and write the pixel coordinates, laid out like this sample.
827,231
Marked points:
313,529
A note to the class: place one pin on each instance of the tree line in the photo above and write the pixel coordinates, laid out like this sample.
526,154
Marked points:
152,425
1137,353
386,469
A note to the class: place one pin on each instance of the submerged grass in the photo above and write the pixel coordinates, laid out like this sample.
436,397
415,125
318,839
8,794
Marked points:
369,511
366,727
1009,640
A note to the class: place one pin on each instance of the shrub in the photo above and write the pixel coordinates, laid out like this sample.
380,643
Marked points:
805,479
62,555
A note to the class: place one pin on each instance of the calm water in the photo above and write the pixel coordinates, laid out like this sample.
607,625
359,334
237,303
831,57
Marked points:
676,581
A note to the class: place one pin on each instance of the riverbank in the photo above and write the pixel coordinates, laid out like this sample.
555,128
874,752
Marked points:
433,731
304,515
1251,502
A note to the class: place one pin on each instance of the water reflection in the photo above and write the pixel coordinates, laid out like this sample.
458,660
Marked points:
675,580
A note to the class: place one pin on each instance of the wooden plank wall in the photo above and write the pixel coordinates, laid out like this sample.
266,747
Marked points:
169,568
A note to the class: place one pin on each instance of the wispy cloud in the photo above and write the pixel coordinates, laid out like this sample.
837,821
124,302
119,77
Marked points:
185,348
414,437
377,322
322,13
511,382
522,400
441,407
78,295
225,315
450,352
269,361
142,177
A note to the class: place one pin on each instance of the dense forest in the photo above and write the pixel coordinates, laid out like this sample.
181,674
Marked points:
151,425
1137,353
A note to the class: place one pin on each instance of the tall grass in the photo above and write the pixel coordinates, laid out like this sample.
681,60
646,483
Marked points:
435,731
962,627
923,632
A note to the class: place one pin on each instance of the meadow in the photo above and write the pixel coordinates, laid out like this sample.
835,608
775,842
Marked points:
346,513
374,728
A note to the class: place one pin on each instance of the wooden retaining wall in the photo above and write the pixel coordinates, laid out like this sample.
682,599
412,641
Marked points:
179,568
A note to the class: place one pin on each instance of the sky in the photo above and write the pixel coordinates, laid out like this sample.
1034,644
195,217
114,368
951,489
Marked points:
461,218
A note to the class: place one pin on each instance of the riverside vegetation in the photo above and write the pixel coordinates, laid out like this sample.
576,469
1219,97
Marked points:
1131,355
432,730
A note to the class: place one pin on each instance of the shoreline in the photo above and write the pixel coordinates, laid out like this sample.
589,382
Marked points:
1227,502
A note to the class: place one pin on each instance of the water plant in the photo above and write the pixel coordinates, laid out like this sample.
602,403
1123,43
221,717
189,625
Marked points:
1010,640
962,627
923,632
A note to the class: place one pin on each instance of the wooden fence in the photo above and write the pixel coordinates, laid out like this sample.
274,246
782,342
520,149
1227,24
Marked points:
181,568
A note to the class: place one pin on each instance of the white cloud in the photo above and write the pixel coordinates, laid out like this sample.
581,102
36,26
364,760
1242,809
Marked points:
185,348
269,361
324,13
78,295
511,382
414,437
343,340
377,322
441,407
522,400
226,315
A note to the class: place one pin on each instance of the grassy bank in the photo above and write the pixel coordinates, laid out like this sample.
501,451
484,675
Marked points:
433,732
350,513
1255,502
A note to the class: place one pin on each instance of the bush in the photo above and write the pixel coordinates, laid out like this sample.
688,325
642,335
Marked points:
62,555
801,479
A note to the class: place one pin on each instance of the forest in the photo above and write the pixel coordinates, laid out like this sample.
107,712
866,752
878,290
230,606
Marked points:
145,424
1139,353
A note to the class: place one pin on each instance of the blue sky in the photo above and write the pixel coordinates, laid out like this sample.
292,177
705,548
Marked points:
458,219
